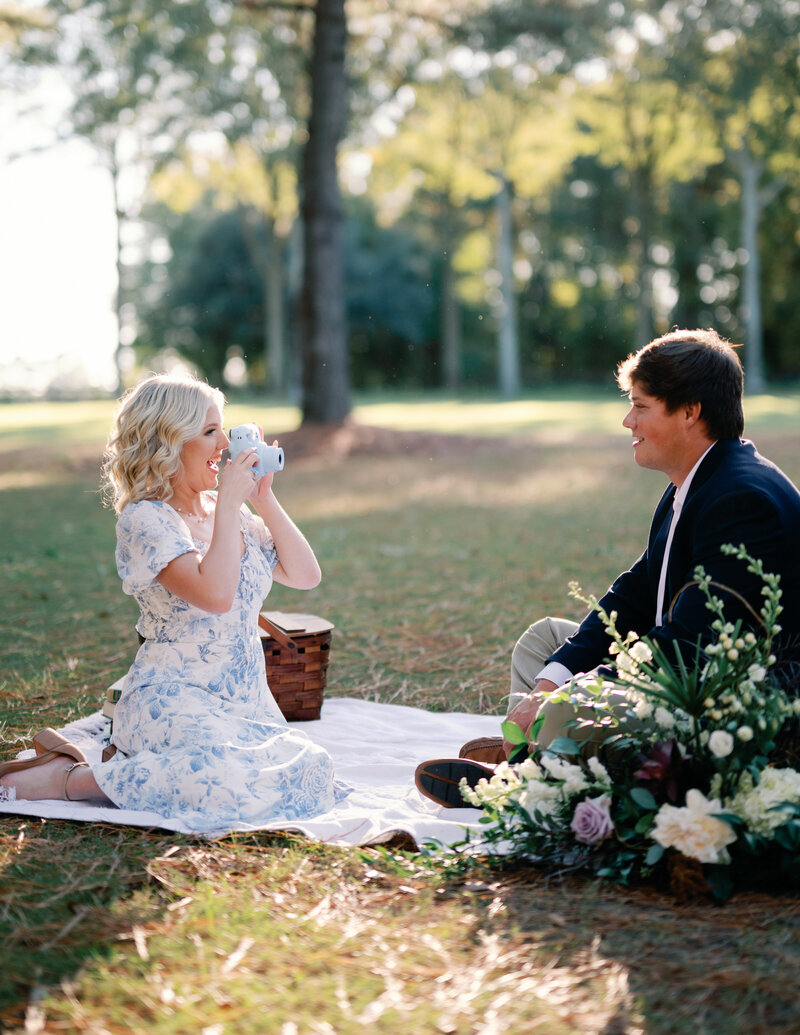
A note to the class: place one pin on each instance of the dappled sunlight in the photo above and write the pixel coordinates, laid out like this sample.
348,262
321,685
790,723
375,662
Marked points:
496,417
503,478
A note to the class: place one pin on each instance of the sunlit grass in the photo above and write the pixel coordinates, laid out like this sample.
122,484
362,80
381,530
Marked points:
552,414
432,566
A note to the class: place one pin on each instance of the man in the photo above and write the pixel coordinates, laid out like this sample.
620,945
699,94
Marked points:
685,392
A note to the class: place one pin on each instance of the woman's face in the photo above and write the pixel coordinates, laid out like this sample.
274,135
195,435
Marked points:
200,455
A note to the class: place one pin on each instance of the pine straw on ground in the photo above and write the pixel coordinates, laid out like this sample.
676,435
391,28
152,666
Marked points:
177,935
124,930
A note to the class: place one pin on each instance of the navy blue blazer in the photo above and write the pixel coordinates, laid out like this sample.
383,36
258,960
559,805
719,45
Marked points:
736,496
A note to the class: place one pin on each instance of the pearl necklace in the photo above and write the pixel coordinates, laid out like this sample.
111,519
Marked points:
189,513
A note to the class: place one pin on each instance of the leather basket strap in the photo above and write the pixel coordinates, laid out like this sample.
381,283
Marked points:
283,638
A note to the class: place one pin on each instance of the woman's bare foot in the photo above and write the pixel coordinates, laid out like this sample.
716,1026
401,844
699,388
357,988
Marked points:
52,780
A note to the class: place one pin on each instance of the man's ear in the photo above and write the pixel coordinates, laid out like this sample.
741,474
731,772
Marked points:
693,414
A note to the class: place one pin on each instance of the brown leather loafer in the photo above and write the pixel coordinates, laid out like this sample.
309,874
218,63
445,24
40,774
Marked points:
439,779
484,749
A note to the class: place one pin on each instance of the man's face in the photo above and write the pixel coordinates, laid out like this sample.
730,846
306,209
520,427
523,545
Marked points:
659,437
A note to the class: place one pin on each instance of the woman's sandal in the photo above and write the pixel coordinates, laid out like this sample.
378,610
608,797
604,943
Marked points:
75,765
48,745
48,741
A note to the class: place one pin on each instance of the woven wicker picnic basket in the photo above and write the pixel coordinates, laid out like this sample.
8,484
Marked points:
296,655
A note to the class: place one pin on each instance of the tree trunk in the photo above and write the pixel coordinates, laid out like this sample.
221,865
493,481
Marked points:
751,273
274,312
450,323
642,192
118,217
264,248
326,376
687,242
294,276
508,330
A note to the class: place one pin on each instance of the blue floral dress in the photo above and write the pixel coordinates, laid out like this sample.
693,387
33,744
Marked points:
198,733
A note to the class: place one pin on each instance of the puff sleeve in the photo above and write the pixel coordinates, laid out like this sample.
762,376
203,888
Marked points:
149,535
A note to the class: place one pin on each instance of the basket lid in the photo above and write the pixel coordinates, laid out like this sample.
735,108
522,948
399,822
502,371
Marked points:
293,622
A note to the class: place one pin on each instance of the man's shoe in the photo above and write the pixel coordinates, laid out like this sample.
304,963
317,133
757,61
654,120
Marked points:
484,749
439,779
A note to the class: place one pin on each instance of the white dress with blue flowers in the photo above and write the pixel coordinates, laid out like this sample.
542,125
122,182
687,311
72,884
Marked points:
198,733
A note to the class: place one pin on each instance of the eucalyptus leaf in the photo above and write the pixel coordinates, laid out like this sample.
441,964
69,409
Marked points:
563,746
654,854
643,798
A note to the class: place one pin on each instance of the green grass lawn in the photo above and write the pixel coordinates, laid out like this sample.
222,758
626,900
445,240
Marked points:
433,564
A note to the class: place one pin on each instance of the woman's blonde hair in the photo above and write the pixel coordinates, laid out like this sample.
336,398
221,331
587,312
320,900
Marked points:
154,419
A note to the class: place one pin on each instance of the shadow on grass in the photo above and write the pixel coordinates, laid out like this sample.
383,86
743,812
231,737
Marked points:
68,897
72,894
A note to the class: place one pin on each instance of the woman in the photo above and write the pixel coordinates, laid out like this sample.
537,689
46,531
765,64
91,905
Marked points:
198,734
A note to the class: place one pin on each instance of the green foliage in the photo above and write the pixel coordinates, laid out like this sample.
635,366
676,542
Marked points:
433,563
691,777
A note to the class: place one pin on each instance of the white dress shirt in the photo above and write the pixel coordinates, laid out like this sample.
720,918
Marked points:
560,674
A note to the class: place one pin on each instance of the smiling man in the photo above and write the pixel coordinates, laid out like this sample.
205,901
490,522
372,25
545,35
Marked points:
686,420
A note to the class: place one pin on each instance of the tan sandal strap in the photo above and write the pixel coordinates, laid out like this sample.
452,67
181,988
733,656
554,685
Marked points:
75,765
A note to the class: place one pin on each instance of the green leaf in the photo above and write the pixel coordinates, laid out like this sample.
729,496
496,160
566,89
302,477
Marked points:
519,753
537,726
720,881
644,823
654,854
513,733
643,798
563,746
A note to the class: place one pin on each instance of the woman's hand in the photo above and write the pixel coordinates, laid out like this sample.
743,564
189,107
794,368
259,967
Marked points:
238,481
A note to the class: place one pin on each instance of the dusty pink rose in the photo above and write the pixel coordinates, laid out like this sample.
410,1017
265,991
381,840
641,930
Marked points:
591,822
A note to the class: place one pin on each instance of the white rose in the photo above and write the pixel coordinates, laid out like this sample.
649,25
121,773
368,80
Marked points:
720,743
694,830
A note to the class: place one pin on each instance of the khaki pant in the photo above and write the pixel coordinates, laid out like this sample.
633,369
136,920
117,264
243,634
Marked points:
530,654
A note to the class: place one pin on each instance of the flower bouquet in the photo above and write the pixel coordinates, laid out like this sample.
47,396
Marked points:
689,788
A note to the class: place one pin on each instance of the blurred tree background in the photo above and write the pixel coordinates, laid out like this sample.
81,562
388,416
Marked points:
319,195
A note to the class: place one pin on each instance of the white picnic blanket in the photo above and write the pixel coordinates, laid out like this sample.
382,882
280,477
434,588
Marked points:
375,748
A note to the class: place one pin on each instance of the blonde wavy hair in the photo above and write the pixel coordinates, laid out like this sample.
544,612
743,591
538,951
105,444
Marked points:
154,419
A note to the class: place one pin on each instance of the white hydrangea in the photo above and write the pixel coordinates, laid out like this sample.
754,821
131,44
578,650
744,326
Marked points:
538,796
757,805
528,770
664,718
572,775
599,771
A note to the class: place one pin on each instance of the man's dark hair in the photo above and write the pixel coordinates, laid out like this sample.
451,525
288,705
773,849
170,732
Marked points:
685,367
